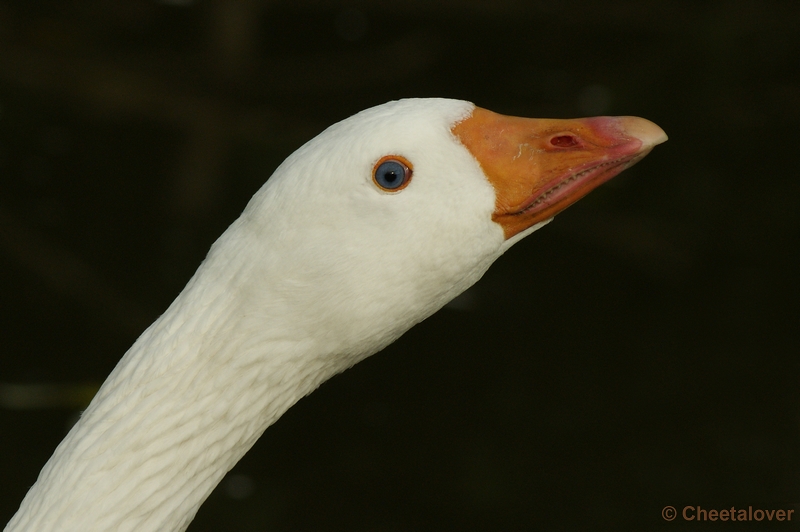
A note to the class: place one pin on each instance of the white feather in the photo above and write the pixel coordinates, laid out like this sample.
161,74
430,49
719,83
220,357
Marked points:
321,270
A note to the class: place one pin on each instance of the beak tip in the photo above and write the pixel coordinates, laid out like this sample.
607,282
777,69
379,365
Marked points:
644,130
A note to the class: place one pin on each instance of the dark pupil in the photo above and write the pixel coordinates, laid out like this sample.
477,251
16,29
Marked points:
391,176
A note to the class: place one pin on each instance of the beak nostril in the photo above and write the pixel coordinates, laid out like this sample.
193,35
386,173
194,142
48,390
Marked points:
564,141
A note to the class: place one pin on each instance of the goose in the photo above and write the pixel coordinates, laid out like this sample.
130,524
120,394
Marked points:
364,231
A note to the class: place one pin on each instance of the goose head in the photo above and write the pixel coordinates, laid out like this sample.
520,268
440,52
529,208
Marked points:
386,216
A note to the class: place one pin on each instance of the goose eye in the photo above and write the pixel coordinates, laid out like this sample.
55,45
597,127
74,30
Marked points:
392,173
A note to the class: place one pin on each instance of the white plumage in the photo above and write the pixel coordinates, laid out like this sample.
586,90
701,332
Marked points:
322,269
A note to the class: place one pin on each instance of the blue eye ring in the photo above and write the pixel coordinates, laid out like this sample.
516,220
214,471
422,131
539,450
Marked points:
392,173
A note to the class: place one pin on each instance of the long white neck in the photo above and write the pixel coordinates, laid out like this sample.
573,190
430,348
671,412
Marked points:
185,403
321,270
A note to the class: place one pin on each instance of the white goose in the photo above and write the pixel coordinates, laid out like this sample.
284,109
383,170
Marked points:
363,232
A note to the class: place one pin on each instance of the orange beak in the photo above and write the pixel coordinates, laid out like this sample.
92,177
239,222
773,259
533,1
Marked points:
539,167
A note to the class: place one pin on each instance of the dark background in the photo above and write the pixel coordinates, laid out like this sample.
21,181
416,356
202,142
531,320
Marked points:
640,351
